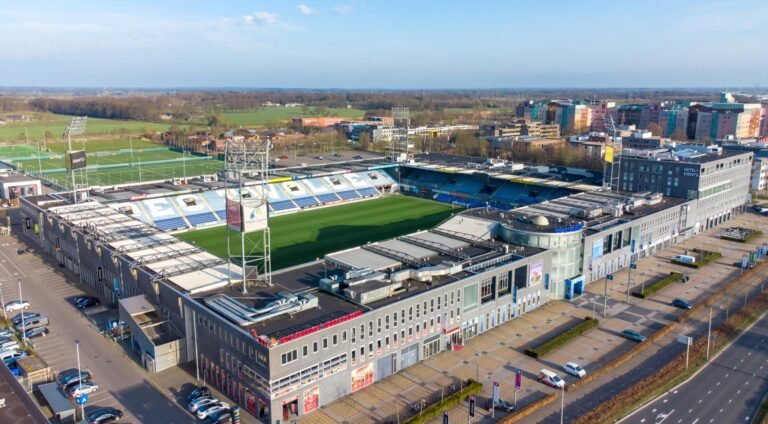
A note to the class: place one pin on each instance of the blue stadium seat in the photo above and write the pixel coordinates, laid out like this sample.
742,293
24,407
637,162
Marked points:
201,219
368,192
349,195
306,202
170,224
328,198
282,205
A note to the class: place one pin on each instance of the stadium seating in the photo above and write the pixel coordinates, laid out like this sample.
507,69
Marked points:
283,205
349,195
463,201
328,198
201,219
368,192
215,200
170,223
306,202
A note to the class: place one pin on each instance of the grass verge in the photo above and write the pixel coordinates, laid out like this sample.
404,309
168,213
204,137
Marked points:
563,338
435,409
707,257
658,285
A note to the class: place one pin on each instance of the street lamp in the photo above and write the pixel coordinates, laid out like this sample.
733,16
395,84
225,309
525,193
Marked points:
562,404
5,314
80,378
23,323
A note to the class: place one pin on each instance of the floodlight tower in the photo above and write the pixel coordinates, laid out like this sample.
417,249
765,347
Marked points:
612,165
247,207
401,122
75,160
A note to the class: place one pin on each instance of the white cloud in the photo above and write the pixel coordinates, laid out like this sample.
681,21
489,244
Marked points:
306,10
343,9
260,18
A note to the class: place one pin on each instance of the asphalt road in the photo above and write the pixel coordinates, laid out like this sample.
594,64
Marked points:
121,381
728,390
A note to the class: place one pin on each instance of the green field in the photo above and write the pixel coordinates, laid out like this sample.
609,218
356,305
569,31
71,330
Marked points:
305,236
135,174
56,124
273,114
126,159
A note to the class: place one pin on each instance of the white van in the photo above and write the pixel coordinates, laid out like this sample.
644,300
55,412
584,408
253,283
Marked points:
8,353
10,344
551,379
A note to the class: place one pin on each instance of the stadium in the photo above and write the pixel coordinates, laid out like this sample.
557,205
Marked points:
377,265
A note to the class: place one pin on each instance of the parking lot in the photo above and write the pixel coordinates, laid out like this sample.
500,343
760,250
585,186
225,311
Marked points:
121,381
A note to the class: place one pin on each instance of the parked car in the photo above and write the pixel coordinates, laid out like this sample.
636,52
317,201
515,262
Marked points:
68,377
20,251
9,344
200,402
104,415
283,156
633,335
35,332
9,353
358,157
682,304
221,417
87,302
16,320
211,409
80,389
501,404
16,305
6,332
34,322
574,369
14,356
198,392
551,379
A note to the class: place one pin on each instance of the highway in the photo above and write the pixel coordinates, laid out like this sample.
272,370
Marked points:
728,390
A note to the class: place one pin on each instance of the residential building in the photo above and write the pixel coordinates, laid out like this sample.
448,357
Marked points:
521,127
532,110
572,117
644,140
711,121
634,114
673,122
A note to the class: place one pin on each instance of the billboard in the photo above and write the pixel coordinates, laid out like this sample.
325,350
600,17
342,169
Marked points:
536,273
311,399
233,215
362,377
75,159
254,218
609,154
597,248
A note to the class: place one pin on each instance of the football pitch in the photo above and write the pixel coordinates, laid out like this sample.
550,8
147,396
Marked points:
305,236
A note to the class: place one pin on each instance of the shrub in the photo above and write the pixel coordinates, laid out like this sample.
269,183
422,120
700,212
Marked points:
563,338
658,285
435,409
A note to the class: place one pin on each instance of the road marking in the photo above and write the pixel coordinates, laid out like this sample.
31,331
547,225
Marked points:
738,391
695,421
726,376
665,400
643,420
700,400
690,410
730,400
718,383
709,392
653,410
721,410
750,353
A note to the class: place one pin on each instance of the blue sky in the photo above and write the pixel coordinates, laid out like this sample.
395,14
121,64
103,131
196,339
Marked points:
384,44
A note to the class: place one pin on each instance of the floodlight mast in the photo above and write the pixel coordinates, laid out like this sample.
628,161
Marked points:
76,127
612,177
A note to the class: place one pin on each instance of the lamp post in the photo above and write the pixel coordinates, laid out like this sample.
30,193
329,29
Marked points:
5,314
80,378
23,323
562,404
709,330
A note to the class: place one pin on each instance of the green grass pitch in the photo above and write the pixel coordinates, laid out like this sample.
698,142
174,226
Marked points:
305,236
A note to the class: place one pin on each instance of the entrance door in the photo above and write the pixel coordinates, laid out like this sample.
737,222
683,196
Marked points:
410,356
384,367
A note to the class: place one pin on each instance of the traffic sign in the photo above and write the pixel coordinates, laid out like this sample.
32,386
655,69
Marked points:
685,340
496,394
609,277
471,406
82,399
633,266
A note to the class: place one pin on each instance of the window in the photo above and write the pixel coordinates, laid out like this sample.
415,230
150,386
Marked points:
362,332
486,290
353,334
304,350
344,336
335,339
325,342
370,328
314,347
470,297
289,357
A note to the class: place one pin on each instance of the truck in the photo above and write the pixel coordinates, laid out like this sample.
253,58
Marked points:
687,259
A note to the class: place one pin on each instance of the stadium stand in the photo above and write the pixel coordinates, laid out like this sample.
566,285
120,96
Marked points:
342,187
195,209
279,201
164,215
298,193
216,201
322,192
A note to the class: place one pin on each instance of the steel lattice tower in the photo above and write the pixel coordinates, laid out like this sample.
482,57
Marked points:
246,170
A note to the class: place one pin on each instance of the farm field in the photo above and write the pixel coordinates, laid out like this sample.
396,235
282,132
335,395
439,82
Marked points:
56,124
272,114
305,236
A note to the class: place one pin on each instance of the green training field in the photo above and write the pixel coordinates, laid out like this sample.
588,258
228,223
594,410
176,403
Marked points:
273,114
305,236
123,159
135,174
56,124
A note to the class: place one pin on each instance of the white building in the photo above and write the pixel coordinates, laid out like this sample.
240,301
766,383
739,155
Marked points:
759,174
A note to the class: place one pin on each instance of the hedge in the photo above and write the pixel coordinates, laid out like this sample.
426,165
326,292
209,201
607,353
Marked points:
708,257
658,285
563,338
435,409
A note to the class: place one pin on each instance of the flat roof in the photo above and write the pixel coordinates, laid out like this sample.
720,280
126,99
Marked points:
136,305
19,406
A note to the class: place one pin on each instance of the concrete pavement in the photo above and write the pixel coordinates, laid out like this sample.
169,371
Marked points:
728,390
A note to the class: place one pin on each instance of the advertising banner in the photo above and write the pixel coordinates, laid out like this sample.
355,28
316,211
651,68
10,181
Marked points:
254,217
233,215
518,379
496,390
609,154
75,159
536,273
311,399
362,377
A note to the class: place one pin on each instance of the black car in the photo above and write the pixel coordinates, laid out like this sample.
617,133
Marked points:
87,302
35,332
682,304
68,377
222,417
197,393
501,404
104,415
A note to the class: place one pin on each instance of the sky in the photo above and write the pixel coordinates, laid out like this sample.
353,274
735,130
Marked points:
386,44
